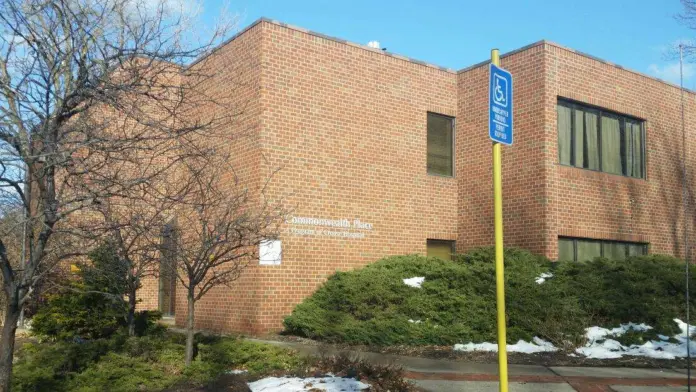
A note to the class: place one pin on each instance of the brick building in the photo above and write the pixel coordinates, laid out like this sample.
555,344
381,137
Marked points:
384,155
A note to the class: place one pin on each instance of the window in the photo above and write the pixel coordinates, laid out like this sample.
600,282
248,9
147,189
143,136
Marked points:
595,139
441,248
440,145
167,270
579,249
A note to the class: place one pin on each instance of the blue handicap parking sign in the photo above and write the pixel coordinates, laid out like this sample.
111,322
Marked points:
500,105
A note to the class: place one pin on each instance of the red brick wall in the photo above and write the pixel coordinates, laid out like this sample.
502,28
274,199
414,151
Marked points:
347,125
590,204
525,168
237,69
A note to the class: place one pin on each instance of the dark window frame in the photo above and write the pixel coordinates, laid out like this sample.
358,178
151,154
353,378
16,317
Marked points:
573,105
626,244
454,130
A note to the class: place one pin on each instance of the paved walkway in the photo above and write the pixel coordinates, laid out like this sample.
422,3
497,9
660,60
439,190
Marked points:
446,375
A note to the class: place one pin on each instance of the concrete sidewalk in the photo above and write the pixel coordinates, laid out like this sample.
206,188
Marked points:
446,375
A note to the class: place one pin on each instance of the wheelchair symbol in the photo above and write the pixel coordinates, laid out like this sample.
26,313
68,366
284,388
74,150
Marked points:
500,91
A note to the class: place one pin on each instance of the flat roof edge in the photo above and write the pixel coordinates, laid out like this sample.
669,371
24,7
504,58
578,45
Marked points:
587,55
506,54
583,54
320,35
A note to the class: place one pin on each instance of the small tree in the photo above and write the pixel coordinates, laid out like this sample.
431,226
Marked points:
217,234
90,307
133,227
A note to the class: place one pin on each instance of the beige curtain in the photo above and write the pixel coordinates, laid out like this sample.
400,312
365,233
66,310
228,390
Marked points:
611,145
614,250
592,141
634,149
440,139
440,248
579,137
565,249
564,135
588,250
636,249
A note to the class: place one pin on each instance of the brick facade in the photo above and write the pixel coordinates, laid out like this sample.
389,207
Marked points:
346,125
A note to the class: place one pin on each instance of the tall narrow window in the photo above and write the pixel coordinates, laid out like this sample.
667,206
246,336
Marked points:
611,145
441,248
167,271
440,145
595,139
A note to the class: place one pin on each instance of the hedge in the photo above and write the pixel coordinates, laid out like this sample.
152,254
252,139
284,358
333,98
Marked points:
456,302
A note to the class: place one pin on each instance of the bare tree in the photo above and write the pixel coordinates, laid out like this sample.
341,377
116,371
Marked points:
133,227
217,233
89,90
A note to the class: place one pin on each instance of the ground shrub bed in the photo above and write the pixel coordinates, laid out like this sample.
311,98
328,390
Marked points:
456,301
148,363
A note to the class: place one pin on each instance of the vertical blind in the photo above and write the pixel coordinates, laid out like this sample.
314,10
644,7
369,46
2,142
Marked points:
597,140
440,145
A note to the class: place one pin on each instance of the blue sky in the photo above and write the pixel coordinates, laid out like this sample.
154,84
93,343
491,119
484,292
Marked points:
455,34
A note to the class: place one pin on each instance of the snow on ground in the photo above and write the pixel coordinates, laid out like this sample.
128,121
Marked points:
594,334
296,384
536,346
414,282
542,278
414,321
600,344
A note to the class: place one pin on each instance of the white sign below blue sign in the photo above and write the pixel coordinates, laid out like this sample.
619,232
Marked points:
500,105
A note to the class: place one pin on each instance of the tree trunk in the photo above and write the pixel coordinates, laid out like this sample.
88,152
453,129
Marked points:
189,329
131,311
7,342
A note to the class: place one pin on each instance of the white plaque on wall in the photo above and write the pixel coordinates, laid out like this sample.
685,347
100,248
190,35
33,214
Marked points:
270,252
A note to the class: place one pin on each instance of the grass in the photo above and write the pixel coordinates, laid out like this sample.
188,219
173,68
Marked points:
456,303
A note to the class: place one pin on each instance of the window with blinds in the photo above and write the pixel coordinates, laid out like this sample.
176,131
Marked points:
596,139
441,248
440,145
581,249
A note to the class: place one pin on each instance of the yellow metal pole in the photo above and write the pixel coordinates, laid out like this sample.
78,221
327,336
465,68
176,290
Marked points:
499,264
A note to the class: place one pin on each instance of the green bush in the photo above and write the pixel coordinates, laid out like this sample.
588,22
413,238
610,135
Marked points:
47,366
146,323
148,363
251,356
90,308
456,302
642,289
121,373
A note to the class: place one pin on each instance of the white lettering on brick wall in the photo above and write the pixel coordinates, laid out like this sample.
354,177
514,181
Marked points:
338,228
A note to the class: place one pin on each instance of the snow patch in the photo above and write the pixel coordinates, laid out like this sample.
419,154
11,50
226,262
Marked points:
594,334
414,321
237,371
536,346
542,278
296,384
415,281
601,346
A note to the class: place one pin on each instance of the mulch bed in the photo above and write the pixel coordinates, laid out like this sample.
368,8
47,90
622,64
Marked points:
541,359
